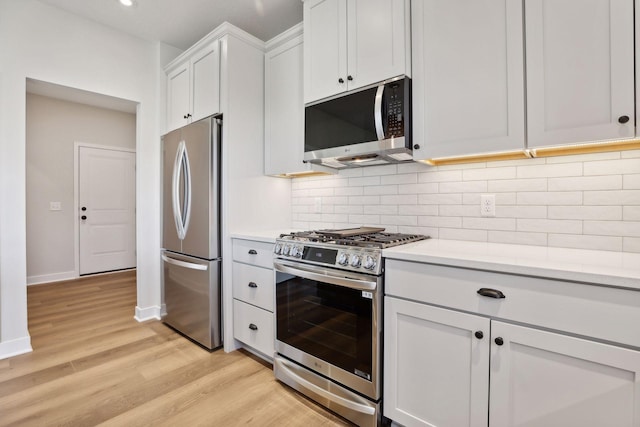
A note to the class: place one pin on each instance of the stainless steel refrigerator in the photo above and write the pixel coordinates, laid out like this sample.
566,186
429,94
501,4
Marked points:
191,256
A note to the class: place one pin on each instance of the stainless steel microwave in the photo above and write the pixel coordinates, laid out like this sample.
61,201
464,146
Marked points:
370,126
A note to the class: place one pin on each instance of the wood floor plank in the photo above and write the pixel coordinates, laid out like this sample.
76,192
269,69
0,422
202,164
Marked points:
93,364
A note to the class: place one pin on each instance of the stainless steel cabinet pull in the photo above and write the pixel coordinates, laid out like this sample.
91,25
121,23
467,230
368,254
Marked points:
491,293
253,252
253,285
253,327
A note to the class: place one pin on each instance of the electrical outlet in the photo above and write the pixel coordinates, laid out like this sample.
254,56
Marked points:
488,205
55,206
317,206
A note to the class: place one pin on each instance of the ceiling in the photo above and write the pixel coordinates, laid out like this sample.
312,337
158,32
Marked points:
181,23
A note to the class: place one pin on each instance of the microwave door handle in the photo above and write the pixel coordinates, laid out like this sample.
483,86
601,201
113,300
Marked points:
377,113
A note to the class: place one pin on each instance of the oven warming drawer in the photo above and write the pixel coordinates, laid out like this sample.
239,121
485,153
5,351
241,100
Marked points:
336,398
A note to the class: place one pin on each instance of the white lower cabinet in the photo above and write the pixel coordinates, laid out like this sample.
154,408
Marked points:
253,295
448,368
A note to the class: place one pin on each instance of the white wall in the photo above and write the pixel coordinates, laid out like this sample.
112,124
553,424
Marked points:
41,42
589,201
53,127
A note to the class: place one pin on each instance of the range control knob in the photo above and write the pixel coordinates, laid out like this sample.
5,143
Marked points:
343,259
355,261
278,248
286,249
369,263
296,251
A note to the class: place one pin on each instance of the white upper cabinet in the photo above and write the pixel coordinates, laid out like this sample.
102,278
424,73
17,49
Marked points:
284,106
468,77
193,87
580,70
350,44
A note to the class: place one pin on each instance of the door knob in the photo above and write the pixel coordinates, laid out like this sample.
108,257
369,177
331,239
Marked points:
499,341
340,80
84,208
83,217
623,119
479,335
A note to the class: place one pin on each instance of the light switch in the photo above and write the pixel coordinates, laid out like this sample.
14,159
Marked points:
55,206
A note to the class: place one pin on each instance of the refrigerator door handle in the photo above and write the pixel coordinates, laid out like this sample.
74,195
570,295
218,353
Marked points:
184,264
181,169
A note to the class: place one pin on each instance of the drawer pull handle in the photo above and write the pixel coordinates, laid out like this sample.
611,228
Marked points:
499,341
253,285
491,293
253,327
479,335
253,252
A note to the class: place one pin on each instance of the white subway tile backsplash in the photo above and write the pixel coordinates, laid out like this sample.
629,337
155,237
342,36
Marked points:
631,244
608,182
586,212
485,174
548,198
611,198
364,181
399,219
463,187
603,243
518,238
631,182
531,211
612,228
589,201
610,167
382,209
510,185
504,224
440,199
462,234
381,189
364,219
440,176
403,199
550,225
407,178
631,213
549,171
424,188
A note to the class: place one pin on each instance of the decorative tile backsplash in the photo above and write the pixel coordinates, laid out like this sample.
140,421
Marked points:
589,201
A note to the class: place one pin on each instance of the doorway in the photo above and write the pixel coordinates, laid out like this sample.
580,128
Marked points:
105,206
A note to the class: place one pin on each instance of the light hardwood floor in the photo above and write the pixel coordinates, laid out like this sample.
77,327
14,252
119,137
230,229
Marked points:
93,364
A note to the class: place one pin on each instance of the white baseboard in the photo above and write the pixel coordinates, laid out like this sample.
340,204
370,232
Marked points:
15,347
148,313
55,277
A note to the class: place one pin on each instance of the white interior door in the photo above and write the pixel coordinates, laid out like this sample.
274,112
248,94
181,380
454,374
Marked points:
106,210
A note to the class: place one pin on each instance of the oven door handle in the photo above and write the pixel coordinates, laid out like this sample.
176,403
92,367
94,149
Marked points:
305,273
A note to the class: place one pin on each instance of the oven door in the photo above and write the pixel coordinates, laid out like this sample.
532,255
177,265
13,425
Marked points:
329,321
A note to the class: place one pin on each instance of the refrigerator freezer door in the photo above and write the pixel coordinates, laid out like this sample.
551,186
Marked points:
191,189
192,297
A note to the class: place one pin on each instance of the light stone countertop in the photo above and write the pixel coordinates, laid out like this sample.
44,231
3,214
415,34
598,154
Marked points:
621,269
266,236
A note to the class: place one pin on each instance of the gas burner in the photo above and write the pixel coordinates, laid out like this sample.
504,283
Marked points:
363,237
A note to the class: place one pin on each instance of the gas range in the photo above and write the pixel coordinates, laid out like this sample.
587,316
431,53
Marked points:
353,249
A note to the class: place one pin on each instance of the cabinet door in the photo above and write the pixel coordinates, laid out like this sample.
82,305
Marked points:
378,39
325,48
284,109
580,70
468,77
435,368
543,379
178,97
205,71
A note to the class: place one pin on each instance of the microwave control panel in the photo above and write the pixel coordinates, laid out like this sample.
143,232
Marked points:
395,114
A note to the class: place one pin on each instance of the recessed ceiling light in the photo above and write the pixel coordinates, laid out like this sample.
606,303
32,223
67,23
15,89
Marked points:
127,2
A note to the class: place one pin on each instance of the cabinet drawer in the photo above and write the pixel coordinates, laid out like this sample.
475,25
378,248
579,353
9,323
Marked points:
254,327
253,285
243,251
595,311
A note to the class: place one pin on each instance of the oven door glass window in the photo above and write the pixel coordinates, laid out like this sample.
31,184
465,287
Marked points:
332,323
